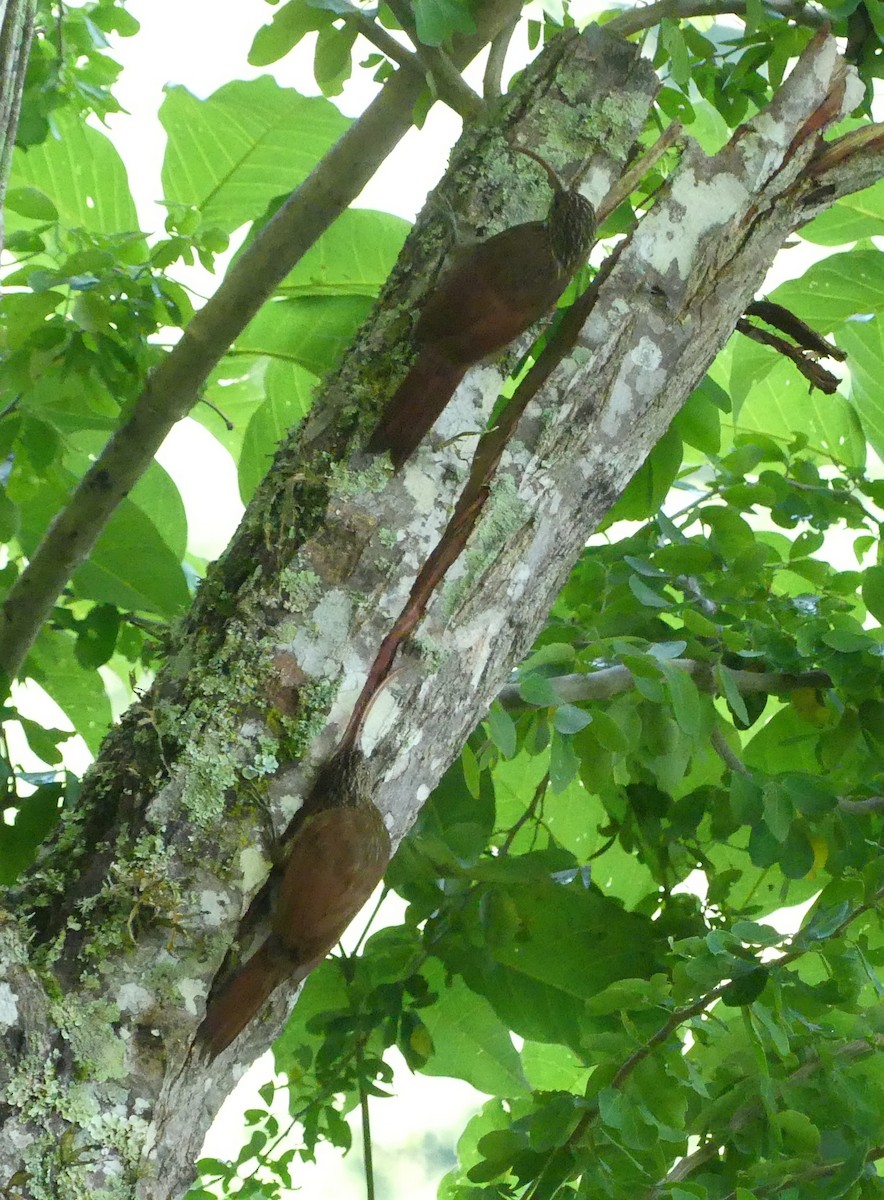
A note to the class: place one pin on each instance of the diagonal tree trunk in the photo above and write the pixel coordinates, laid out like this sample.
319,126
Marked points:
108,949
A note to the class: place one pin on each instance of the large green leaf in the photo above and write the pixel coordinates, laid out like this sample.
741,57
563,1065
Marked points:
864,344
841,288
231,154
541,991
850,219
82,173
289,392
312,333
79,693
353,257
781,404
131,565
469,1040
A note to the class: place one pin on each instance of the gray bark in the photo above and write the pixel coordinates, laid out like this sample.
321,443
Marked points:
16,32
138,898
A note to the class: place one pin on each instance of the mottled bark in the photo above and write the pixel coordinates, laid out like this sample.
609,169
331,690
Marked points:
142,892
16,32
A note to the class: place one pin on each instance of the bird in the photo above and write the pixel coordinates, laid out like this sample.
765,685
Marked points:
492,294
336,860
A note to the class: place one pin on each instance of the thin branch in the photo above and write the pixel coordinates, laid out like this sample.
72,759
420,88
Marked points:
635,20
491,80
173,386
870,804
632,177
726,754
367,1156
815,374
441,73
527,815
613,681
375,33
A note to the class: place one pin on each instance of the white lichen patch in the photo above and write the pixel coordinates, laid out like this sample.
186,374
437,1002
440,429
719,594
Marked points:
854,92
519,580
191,990
646,355
421,487
213,907
317,645
8,1006
640,377
133,998
762,151
824,62
671,236
382,717
254,867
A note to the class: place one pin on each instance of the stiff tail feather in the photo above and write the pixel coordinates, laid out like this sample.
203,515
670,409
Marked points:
416,405
232,1006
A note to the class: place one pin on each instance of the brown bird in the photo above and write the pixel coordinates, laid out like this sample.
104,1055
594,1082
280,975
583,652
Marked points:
337,859
493,294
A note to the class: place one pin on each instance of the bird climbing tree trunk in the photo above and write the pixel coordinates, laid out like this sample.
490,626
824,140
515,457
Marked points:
390,606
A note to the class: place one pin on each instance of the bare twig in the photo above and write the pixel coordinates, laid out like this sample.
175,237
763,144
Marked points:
728,756
375,33
442,75
640,18
496,59
816,375
612,681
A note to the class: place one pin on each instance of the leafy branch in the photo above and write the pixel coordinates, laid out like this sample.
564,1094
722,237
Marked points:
553,1172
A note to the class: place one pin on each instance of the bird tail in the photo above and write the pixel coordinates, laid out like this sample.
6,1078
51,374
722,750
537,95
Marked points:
233,1005
416,405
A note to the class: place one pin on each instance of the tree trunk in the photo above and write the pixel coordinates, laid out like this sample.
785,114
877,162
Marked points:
16,32
109,948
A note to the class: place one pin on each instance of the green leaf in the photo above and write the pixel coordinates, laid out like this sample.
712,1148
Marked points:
851,218
469,1040
679,62
83,177
31,202
778,810
353,257
331,60
563,762
608,731
568,719
80,694
290,23
873,592
648,488
501,729
756,935
746,989
537,689
289,393
687,704
732,694
438,20
20,841
535,988
310,333
231,154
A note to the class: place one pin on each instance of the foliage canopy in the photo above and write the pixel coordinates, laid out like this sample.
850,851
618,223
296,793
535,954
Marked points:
706,696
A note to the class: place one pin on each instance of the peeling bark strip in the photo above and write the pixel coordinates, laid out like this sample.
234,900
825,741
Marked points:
142,891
